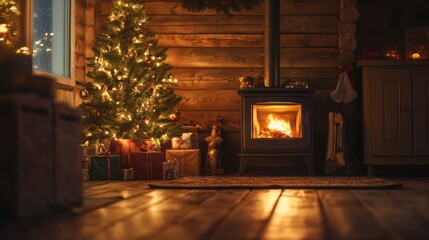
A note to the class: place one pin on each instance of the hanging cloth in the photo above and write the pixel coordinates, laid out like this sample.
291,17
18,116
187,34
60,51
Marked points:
344,91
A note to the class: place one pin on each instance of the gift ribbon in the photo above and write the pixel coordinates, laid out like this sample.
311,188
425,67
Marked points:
128,173
150,148
108,167
181,141
149,165
181,163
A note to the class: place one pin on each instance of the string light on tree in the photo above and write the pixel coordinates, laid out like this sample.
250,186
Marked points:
128,71
9,16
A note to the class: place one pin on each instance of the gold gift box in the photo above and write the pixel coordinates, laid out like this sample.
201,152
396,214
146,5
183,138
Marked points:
189,160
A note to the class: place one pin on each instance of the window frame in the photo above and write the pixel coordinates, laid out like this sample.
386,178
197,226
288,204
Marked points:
28,16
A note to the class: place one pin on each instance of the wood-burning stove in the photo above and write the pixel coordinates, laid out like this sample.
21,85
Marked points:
276,122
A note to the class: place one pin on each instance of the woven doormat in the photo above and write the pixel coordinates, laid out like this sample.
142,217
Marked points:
276,182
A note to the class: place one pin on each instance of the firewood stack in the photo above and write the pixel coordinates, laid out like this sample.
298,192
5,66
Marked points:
347,29
39,143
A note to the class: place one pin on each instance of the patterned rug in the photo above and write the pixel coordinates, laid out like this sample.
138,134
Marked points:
276,182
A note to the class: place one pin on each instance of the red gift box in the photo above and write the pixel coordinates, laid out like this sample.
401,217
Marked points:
148,165
123,148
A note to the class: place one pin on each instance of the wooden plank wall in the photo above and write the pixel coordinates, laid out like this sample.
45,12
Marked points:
384,21
88,16
83,28
210,51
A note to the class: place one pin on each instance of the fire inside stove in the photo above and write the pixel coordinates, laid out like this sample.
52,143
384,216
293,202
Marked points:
276,120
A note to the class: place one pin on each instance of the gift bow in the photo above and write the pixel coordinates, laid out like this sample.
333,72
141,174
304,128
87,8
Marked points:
104,153
181,141
172,160
131,171
148,148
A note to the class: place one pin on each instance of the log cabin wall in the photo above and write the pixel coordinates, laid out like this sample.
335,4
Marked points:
88,15
386,21
83,31
210,51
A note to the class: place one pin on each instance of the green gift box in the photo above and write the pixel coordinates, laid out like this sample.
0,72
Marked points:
104,167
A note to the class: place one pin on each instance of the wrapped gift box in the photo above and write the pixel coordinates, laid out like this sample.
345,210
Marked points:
128,174
123,148
189,160
105,167
67,162
148,165
190,128
170,169
186,141
85,174
26,146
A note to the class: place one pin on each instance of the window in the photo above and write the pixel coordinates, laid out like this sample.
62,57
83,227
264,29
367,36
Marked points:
51,37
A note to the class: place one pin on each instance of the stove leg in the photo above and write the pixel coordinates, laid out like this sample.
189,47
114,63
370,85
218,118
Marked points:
309,164
243,166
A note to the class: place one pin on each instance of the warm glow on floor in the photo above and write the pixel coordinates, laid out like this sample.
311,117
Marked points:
295,209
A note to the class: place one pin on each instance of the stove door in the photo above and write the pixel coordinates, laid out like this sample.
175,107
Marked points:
276,121
276,124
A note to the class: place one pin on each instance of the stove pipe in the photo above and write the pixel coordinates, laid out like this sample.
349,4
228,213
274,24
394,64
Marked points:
272,43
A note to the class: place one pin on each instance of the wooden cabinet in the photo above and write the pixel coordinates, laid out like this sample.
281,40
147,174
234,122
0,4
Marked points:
395,112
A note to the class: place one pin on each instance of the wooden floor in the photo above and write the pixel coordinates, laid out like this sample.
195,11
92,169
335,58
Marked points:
130,210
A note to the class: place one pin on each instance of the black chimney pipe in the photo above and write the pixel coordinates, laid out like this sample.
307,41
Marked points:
272,43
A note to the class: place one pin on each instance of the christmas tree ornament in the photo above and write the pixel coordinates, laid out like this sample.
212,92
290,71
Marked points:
83,94
120,75
148,58
132,53
95,114
175,116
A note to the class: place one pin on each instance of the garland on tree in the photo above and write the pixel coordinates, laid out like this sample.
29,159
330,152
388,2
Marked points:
131,95
225,6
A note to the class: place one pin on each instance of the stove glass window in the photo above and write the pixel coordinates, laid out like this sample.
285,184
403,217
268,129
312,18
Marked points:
277,120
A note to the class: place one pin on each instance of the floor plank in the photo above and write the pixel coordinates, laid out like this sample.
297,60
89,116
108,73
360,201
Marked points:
89,225
112,195
347,217
417,203
148,223
207,216
249,218
131,210
102,188
297,216
86,184
391,213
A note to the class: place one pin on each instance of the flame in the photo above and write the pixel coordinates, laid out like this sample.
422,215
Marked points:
280,125
3,28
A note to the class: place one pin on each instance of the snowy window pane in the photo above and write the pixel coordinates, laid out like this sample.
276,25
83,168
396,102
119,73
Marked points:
51,36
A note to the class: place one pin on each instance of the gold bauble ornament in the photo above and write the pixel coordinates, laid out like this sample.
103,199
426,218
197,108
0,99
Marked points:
83,94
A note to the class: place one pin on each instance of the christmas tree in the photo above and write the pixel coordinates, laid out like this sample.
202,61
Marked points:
8,17
131,95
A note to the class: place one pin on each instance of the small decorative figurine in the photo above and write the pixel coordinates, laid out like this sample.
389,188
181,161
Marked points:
246,82
213,163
